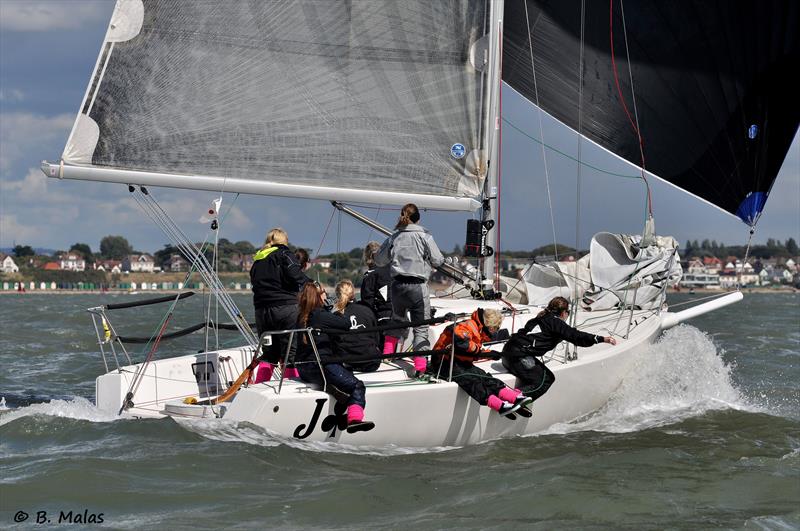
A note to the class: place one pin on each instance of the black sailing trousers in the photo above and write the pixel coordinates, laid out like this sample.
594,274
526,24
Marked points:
278,318
534,376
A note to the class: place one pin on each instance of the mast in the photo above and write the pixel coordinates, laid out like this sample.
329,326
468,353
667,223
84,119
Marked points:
490,203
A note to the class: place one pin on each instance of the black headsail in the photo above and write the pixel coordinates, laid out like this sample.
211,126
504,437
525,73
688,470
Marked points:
716,103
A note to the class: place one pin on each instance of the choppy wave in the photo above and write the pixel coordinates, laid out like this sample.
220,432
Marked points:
682,375
74,408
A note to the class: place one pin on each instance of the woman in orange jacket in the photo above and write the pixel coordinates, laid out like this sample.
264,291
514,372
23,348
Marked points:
465,339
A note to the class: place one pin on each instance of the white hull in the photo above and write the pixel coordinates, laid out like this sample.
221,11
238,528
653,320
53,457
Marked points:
406,413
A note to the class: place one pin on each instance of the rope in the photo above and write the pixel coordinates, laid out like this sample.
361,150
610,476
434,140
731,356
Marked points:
137,379
746,254
325,234
198,259
541,132
574,305
635,126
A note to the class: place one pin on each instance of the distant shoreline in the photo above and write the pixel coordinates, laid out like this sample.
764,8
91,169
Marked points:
760,289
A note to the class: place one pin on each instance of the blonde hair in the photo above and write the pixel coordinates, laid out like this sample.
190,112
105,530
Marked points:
492,318
370,251
276,236
345,292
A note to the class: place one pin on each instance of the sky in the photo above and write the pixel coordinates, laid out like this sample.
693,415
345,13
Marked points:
47,53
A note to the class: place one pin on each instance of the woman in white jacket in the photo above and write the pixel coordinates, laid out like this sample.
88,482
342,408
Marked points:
411,252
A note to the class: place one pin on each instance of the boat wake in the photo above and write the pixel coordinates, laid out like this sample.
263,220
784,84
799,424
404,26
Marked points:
231,431
680,376
73,408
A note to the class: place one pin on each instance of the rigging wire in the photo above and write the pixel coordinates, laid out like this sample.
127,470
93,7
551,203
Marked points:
634,124
498,124
575,293
746,254
190,250
541,132
325,234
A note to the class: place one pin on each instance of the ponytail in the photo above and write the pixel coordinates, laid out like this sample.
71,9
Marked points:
345,292
555,307
408,214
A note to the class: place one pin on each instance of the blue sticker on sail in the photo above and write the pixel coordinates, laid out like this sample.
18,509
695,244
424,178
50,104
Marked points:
458,151
751,207
752,132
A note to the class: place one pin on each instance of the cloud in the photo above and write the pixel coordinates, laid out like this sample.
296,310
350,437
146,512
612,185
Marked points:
23,133
11,95
11,230
33,186
31,15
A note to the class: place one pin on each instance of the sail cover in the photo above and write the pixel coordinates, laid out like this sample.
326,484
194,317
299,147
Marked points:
361,94
716,108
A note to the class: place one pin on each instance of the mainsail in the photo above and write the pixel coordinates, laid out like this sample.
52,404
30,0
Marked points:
358,95
714,101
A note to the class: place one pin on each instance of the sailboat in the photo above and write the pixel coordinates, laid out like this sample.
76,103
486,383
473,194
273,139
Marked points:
386,103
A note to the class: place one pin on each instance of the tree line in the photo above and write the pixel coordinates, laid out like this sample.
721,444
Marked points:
114,247
772,249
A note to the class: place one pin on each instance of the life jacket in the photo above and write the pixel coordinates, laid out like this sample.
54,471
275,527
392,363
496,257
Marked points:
470,336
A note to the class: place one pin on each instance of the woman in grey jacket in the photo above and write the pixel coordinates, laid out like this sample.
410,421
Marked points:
411,253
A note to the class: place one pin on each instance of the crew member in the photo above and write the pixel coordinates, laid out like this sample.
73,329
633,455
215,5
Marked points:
360,316
411,252
375,294
466,340
276,278
338,381
523,351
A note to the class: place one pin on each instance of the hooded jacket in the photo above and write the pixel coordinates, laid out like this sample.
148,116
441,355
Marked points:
410,252
468,336
276,277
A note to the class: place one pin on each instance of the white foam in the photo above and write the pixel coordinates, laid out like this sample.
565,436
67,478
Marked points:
680,376
76,408
230,431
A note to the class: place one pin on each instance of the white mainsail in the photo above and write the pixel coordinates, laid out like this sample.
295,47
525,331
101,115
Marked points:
296,98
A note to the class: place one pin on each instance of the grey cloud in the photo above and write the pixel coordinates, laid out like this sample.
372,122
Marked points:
31,15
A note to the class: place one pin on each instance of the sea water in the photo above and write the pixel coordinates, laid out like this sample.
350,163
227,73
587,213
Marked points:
704,433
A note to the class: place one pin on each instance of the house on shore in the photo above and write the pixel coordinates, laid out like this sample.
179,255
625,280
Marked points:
138,263
71,262
109,266
176,264
7,264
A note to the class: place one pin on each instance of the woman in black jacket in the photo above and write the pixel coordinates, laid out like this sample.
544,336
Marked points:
523,351
361,316
341,383
375,287
276,278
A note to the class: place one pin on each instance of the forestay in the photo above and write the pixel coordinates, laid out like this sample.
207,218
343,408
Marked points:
347,94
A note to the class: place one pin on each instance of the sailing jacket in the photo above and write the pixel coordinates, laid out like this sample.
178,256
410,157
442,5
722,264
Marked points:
468,337
320,318
276,277
359,316
542,334
410,252
375,291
